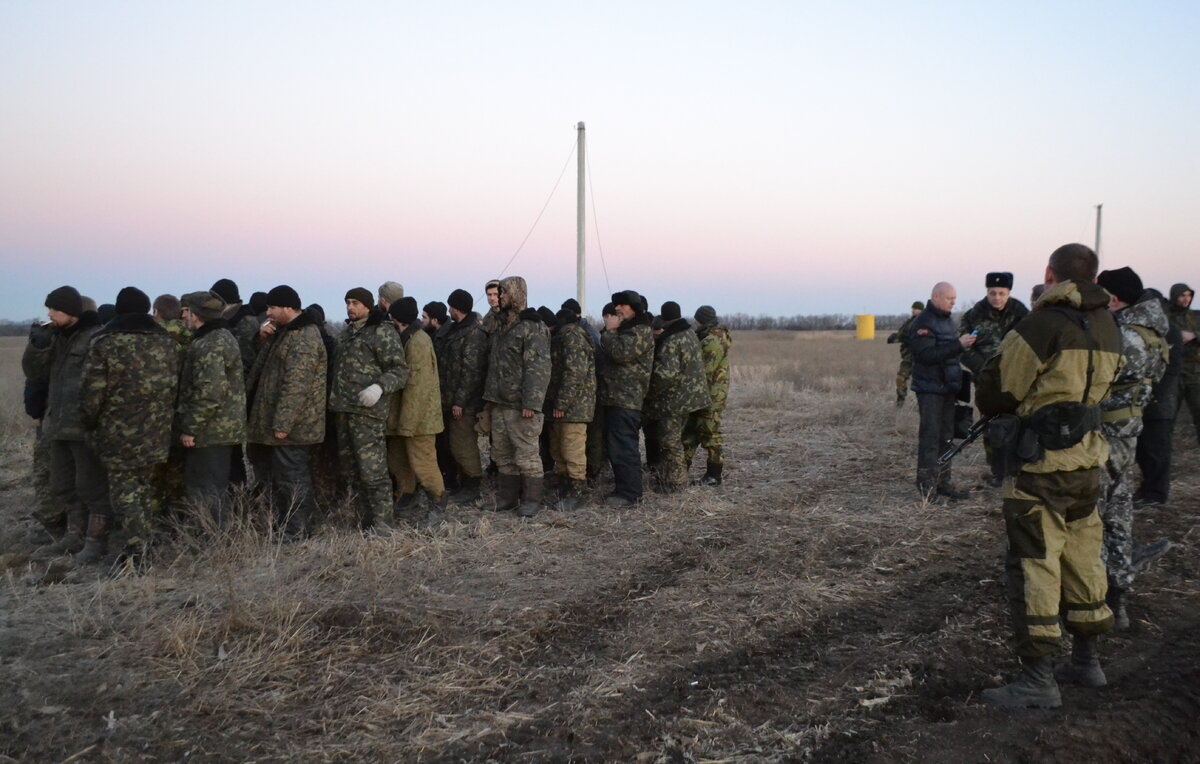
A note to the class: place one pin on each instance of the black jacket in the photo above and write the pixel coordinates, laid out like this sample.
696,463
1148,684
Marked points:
933,339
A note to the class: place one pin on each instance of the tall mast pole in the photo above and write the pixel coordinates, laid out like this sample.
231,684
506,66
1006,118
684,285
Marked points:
1099,208
581,225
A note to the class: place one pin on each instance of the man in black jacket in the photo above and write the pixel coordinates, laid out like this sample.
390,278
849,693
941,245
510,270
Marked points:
936,379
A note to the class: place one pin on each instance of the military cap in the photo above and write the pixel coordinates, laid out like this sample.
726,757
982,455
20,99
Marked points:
207,306
999,279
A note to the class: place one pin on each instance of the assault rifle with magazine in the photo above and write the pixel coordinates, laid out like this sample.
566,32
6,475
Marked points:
979,427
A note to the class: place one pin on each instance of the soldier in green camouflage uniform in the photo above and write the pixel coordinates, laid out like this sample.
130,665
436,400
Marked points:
703,427
628,344
904,373
1187,321
1143,332
127,403
517,377
571,401
678,388
168,311
368,366
463,370
210,417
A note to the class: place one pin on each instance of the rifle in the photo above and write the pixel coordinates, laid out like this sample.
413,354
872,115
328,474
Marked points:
977,429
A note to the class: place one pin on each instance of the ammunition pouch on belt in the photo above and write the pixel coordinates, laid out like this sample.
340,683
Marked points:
1062,425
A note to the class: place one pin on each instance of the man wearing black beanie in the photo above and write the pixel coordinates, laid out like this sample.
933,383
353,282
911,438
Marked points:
629,351
462,368
129,428
54,357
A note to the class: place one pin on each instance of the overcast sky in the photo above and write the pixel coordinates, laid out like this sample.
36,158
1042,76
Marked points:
763,157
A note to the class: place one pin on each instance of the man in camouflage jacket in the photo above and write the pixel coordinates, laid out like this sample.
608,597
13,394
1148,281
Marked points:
703,427
286,392
127,403
415,418
368,366
1145,353
904,373
571,401
628,346
54,357
210,417
1188,322
168,312
517,377
463,370
678,388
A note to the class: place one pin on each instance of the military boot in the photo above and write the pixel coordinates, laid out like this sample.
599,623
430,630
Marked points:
533,489
712,476
95,544
1034,688
468,493
508,492
572,496
1118,601
72,539
1083,667
1144,555
436,514
405,503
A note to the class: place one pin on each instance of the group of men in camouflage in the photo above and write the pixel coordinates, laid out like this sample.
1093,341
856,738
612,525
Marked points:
1081,389
398,403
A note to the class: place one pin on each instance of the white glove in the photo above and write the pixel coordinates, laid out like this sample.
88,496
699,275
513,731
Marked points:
369,396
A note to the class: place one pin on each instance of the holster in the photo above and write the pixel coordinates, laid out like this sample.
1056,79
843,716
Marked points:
1062,425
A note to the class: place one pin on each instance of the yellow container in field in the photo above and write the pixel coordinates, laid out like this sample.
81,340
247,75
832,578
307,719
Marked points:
864,327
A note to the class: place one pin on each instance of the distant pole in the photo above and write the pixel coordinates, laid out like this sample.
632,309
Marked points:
581,226
1099,209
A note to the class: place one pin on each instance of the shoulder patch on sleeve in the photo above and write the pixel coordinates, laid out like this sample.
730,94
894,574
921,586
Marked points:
923,332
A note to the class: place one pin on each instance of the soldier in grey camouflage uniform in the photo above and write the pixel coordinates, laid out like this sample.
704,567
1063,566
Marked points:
127,403
678,387
571,400
517,377
463,370
904,373
703,427
210,417
629,359
1143,332
368,366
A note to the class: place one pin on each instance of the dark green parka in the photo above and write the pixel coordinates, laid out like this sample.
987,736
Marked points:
678,385
286,387
55,358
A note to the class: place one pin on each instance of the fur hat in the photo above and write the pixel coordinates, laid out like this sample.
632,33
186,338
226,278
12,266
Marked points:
132,300
207,306
461,300
1123,283
283,296
999,279
404,310
363,295
572,305
67,300
630,298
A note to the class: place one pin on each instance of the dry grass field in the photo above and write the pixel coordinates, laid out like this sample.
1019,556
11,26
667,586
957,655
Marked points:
812,608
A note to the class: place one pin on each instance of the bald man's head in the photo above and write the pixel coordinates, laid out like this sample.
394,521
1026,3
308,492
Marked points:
943,296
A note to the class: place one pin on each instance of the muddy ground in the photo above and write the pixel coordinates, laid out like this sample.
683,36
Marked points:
812,609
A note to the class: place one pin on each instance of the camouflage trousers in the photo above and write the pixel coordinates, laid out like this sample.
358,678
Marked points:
45,511
669,432
363,458
703,429
1116,509
1054,572
903,375
515,446
135,499
412,460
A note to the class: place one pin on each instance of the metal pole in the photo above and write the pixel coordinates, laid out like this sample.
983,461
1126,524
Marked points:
581,226
1099,208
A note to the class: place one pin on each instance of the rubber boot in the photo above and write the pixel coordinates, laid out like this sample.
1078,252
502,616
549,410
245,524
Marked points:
533,489
952,493
72,539
508,493
468,494
436,514
572,496
1034,688
95,544
1083,667
712,475
1118,601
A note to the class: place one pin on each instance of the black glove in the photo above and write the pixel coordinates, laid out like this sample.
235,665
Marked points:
41,335
893,338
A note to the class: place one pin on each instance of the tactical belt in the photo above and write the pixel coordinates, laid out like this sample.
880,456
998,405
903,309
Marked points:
1121,414
1063,425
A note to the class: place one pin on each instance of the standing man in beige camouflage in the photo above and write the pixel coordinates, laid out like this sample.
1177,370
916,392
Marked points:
703,427
678,388
571,400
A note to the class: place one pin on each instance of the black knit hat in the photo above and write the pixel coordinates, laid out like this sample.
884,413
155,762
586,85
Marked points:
670,311
547,316
572,305
363,295
67,300
227,290
258,302
706,315
404,310
316,311
565,316
132,300
437,311
608,310
461,300
283,296
1123,283
999,279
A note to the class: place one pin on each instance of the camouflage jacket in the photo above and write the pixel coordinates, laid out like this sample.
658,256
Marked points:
491,321
1145,353
678,385
286,387
130,378
368,353
462,366
244,326
1187,321
902,338
178,331
519,362
629,354
55,358
417,409
990,326
572,387
212,389
715,343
